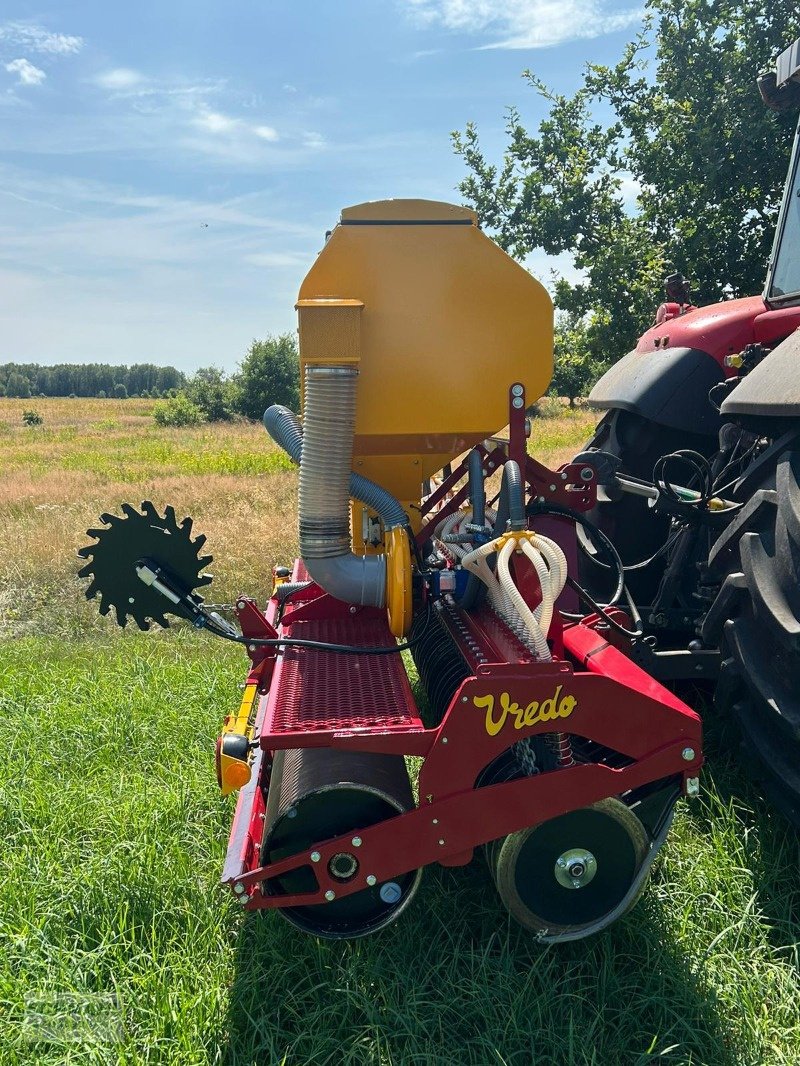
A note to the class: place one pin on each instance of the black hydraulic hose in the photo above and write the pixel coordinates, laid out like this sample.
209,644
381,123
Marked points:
475,591
594,531
321,645
477,492
512,491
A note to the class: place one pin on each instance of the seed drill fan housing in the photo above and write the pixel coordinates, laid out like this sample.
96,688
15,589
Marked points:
541,742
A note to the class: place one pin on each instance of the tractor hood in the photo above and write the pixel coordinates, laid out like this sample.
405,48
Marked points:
719,329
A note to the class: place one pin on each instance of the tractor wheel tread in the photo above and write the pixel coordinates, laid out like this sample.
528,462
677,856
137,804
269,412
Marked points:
756,621
759,507
768,595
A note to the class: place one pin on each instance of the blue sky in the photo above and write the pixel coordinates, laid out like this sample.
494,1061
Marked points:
168,170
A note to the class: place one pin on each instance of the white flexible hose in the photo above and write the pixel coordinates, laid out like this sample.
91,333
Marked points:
535,631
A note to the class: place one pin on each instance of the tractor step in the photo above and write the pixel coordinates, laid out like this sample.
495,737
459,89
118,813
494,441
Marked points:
319,693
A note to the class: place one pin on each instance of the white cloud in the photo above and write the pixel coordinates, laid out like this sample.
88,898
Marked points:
215,122
266,133
37,39
524,23
119,78
27,73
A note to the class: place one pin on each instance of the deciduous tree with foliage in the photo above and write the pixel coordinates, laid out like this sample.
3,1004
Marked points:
269,373
689,136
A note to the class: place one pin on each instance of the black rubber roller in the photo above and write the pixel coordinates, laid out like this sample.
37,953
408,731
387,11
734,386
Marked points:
316,794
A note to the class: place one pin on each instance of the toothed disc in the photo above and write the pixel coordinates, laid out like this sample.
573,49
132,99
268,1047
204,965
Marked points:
110,562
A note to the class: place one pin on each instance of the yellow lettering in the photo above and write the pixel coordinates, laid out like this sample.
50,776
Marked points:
555,706
566,707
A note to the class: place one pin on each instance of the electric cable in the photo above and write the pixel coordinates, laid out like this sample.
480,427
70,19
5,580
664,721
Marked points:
594,531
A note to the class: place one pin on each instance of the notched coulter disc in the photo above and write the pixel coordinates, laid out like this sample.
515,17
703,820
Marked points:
137,535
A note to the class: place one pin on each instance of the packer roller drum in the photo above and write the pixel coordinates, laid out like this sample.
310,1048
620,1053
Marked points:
319,793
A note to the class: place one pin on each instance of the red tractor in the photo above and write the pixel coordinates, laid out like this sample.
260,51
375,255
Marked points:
706,410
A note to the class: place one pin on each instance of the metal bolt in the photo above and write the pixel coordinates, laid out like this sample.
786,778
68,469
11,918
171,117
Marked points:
435,821
330,895
517,390
561,862
441,842
315,856
687,754
464,699
692,786
131,599
238,889
353,609
251,647
552,488
517,402
444,740
576,884
587,473
244,899
356,842
240,605
564,476
371,879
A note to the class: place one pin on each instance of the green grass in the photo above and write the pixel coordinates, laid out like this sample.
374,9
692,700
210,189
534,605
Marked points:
117,944
120,947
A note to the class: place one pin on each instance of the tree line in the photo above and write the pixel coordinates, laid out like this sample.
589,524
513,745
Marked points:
24,380
666,161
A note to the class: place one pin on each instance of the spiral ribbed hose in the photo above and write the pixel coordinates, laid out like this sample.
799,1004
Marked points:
326,456
285,429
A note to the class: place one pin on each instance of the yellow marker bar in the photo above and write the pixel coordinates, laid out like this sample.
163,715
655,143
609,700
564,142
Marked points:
232,759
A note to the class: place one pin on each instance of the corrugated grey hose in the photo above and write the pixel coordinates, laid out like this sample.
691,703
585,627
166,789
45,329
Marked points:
324,449
285,429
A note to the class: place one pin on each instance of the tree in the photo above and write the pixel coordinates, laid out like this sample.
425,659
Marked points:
18,386
120,392
213,393
690,138
574,368
269,373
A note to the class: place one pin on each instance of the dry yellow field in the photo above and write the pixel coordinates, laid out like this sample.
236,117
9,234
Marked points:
89,456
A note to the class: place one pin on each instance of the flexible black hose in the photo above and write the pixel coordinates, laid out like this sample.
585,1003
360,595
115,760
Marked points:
477,493
594,531
513,490
321,645
475,591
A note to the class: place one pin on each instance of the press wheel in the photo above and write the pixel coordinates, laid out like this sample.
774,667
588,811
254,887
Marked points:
566,878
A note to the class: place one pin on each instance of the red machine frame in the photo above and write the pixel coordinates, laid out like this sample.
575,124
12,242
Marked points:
591,689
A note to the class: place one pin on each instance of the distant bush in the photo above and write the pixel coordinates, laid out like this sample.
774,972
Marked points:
120,392
32,418
213,392
178,411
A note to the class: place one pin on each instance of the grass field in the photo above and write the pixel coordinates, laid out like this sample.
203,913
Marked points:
117,945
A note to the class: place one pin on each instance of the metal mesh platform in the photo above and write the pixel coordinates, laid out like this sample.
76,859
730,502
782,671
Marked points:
317,691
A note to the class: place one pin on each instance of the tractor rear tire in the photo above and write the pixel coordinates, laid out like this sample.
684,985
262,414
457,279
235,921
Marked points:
634,529
756,620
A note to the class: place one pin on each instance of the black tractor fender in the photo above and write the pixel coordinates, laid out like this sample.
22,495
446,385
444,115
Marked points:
669,387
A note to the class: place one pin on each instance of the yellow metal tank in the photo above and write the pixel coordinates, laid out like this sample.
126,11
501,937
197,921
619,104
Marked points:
439,321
